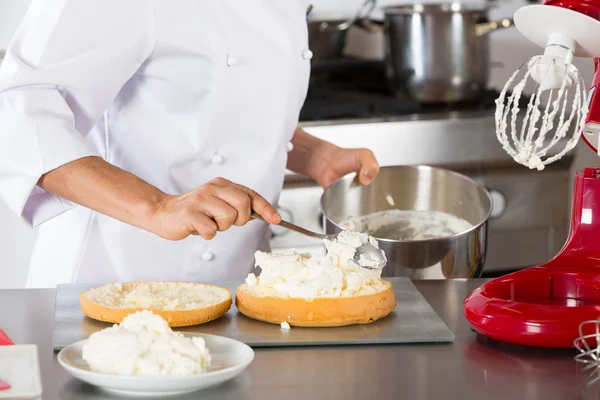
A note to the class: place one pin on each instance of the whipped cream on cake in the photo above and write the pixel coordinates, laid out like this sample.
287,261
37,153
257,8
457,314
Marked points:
300,275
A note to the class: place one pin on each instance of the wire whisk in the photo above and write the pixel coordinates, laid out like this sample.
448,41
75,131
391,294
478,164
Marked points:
589,350
553,117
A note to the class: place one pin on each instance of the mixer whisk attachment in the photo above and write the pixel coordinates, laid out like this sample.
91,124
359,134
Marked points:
588,346
542,129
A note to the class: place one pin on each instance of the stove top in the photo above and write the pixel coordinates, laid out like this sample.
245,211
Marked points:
356,89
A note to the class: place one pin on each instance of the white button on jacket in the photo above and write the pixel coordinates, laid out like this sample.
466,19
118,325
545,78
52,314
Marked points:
142,84
217,159
231,60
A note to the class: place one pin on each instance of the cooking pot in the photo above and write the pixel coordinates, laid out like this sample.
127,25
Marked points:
439,52
418,188
327,37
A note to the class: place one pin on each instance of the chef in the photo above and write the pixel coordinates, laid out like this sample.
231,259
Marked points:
137,135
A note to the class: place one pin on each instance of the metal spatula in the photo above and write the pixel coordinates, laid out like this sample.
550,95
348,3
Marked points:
367,250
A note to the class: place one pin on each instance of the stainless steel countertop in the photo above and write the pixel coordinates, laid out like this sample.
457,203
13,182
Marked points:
470,368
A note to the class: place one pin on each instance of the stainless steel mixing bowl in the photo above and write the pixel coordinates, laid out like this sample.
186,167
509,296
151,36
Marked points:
419,188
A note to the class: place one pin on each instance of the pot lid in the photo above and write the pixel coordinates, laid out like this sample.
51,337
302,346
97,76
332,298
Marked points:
441,7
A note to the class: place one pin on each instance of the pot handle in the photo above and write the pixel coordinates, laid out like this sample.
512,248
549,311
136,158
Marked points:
371,26
363,12
487,27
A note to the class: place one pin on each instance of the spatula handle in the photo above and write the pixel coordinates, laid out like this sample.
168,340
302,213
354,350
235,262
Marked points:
292,227
4,339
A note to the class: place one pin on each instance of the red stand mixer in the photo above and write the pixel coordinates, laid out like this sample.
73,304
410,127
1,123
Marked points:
545,305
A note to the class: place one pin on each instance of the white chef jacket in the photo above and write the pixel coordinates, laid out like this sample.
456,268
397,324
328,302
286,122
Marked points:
177,93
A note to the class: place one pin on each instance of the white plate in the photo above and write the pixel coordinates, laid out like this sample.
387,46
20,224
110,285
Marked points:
20,368
229,359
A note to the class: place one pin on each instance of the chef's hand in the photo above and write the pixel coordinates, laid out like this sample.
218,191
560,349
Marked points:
326,162
214,206
337,162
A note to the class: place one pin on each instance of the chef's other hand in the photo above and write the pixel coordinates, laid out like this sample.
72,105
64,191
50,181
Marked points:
337,162
214,206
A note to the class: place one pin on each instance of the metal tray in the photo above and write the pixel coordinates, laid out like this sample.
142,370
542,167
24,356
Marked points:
413,321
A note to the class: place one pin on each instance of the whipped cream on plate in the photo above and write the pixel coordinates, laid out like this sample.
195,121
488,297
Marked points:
144,345
300,275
